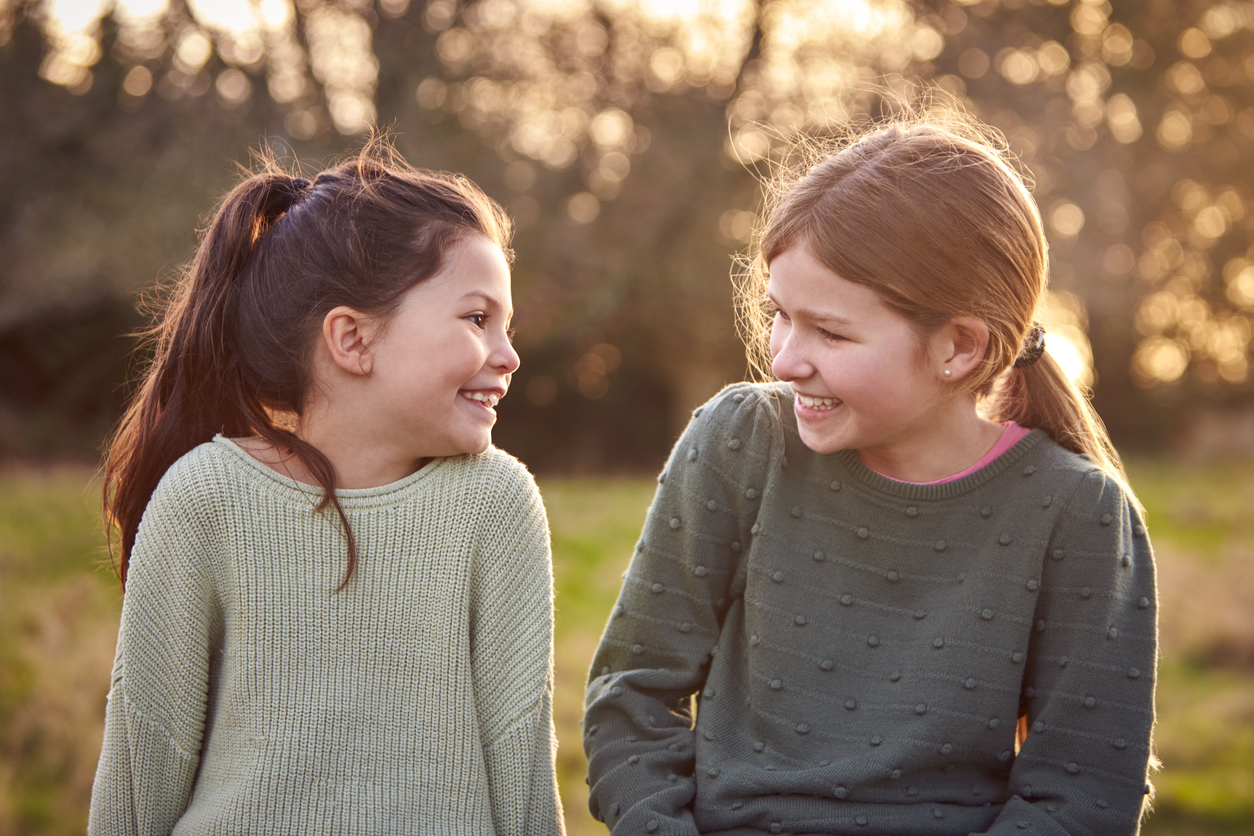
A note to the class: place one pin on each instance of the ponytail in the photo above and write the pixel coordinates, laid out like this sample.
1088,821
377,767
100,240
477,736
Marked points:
192,388
1040,395
232,348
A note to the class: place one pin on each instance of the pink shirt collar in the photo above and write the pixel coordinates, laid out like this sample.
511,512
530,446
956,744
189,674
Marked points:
1010,436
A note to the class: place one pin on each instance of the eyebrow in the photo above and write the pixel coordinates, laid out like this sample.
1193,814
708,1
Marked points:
489,301
817,316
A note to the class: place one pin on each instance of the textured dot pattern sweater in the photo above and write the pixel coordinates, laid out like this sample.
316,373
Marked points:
860,649
248,697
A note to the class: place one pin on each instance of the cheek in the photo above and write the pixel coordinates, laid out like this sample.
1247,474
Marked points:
854,369
461,355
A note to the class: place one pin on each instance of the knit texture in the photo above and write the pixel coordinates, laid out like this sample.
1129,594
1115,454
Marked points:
860,649
249,697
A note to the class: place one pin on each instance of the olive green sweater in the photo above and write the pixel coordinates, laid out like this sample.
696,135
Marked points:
248,697
861,649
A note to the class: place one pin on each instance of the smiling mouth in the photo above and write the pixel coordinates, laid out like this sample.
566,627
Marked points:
488,399
818,403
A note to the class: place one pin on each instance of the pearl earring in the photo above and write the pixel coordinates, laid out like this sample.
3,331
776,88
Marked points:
948,373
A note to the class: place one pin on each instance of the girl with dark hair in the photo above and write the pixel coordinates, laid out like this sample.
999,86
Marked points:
338,596
907,585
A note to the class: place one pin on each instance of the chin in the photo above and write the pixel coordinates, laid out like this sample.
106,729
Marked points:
819,443
476,446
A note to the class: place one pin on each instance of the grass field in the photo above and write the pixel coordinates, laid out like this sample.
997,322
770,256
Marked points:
59,605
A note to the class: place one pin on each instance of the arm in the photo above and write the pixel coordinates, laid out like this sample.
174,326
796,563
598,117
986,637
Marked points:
512,657
1089,687
155,717
655,651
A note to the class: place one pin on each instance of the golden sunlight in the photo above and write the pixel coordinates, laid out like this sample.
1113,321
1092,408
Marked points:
234,16
1063,316
76,15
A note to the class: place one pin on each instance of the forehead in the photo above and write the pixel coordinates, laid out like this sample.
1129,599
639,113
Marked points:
800,283
474,268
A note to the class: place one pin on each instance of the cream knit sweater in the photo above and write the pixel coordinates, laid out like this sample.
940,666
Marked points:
248,697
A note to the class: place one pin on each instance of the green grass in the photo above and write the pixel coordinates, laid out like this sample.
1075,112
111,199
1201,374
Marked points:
1206,738
59,605
595,524
58,624
1204,509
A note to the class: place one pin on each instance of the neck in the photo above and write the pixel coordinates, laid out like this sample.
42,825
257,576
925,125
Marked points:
360,460
948,440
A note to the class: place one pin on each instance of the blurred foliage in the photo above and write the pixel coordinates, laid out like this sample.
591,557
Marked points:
628,139
63,393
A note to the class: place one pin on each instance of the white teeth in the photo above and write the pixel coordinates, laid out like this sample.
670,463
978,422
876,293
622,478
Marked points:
818,403
490,398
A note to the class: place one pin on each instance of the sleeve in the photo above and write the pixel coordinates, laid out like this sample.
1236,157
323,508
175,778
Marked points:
1089,689
512,658
155,719
656,648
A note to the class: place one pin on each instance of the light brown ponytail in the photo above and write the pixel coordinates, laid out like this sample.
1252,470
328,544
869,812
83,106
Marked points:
1041,396
232,348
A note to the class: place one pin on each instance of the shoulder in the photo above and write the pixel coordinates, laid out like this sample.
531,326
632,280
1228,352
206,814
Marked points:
202,460
1078,477
199,497
1097,511
182,525
497,483
498,461
742,415
505,516
1059,459
494,470
203,479
732,439
739,400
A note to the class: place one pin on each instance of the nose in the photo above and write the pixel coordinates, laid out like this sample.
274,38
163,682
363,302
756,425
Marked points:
504,358
788,361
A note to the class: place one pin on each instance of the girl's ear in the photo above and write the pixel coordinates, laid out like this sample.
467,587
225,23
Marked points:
961,343
347,333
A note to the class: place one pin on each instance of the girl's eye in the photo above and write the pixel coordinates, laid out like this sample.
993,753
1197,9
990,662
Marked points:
776,312
828,335
478,319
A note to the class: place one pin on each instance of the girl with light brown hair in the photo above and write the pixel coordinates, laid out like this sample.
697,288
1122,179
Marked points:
907,584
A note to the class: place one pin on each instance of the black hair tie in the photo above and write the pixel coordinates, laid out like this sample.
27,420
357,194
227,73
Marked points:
1033,347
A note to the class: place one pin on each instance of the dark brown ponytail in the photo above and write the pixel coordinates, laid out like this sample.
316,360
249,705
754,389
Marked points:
232,348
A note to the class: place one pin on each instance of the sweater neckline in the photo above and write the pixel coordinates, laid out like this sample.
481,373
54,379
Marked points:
864,475
348,497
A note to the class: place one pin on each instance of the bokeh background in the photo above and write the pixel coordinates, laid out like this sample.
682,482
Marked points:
629,139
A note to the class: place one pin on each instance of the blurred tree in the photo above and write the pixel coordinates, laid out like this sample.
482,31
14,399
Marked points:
628,139
106,183
1136,121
